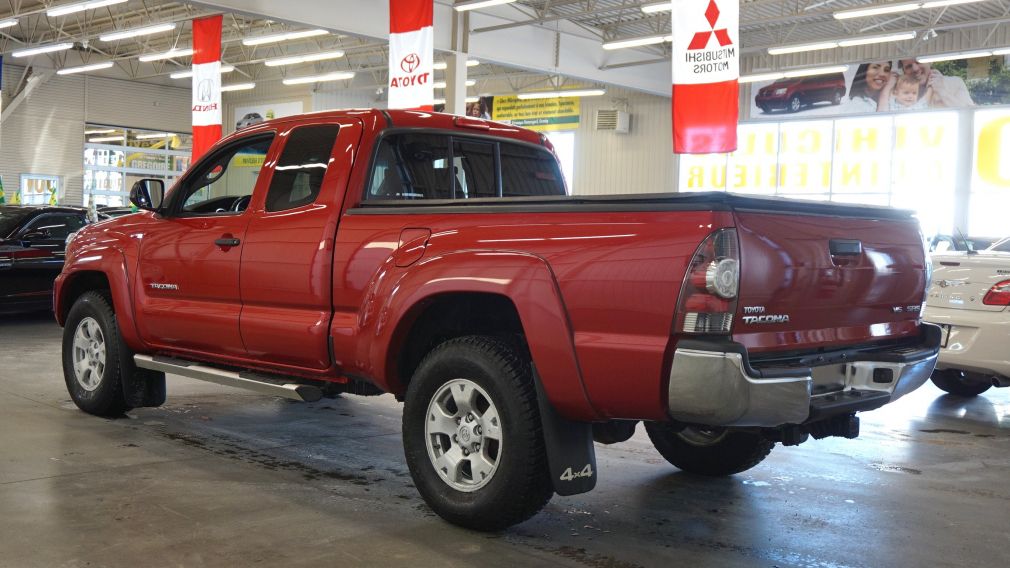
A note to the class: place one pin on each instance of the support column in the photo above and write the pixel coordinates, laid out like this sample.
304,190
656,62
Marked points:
455,84
962,179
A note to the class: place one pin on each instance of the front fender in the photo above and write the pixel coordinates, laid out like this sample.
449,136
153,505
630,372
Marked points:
525,279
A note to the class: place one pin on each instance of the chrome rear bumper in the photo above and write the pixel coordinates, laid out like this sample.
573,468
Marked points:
715,384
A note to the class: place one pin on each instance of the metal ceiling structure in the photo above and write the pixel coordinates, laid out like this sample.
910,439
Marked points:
763,24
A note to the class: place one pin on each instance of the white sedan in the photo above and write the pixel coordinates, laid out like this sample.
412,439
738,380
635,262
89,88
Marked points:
968,299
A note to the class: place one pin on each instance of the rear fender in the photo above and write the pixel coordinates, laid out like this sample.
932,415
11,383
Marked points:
523,278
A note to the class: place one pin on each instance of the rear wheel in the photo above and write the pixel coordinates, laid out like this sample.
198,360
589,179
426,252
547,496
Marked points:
472,435
960,383
795,104
709,450
836,99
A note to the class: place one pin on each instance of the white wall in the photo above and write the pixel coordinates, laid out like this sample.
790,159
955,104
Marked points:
45,134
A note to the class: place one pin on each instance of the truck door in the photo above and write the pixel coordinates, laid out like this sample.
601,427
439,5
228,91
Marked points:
287,258
187,295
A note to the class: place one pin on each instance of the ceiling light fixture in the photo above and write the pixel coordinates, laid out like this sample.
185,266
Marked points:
877,39
636,42
172,54
960,55
105,131
80,7
809,72
876,10
238,87
127,34
441,84
559,94
296,59
188,74
42,49
761,77
657,7
85,68
153,136
478,4
340,76
8,23
119,138
442,65
942,3
288,36
802,47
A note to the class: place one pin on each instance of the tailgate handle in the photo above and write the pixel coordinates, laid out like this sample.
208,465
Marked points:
841,247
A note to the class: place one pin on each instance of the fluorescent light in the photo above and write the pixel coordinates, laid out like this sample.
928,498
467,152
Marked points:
10,22
80,7
171,54
815,71
288,36
85,68
478,4
105,131
876,11
942,3
238,87
473,99
42,49
153,136
149,30
188,74
296,59
340,76
438,102
1003,51
761,77
108,139
442,65
441,84
657,7
877,39
635,42
558,94
802,47
949,56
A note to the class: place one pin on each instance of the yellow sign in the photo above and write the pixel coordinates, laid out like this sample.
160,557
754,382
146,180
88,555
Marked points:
992,143
248,160
542,115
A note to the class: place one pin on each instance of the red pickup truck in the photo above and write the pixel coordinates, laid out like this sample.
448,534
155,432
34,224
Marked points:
440,259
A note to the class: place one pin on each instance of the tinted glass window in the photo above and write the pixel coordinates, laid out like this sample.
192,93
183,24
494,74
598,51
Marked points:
57,226
11,218
527,171
473,169
299,173
225,182
411,166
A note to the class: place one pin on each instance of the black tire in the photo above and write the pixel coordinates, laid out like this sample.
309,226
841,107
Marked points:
107,398
836,99
725,452
795,104
521,485
960,383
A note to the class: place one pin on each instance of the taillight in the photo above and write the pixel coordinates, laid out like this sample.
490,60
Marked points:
998,295
709,294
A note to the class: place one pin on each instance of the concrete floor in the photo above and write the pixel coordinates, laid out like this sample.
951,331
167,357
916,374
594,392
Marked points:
220,477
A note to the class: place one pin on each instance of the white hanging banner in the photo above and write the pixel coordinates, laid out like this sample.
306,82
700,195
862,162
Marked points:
706,51
411,54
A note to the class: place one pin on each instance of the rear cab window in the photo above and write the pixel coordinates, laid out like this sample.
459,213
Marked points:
423,166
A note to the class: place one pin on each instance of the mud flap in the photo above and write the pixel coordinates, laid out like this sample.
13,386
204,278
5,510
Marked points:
142,387
570,452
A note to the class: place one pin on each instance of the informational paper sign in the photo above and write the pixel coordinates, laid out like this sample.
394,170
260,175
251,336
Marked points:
542,115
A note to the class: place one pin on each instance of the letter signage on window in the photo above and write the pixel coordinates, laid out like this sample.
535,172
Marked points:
705,72
206,84
411,50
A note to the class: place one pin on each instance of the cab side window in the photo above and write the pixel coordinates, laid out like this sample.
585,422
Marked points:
56,226
299,173
527,171
411,166
224,183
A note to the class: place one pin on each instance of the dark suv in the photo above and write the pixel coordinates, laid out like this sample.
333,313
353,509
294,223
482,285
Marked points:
794,94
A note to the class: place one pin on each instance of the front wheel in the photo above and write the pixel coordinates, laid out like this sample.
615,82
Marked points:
836,99
709,450
92,357
960,383
472,435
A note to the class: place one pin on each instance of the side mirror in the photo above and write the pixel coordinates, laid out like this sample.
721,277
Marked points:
147,194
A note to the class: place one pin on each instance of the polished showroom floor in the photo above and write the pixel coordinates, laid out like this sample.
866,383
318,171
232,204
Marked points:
219,477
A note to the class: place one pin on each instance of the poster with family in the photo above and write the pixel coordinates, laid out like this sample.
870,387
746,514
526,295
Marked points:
885,86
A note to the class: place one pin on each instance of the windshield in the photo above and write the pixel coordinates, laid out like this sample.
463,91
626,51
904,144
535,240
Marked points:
10,218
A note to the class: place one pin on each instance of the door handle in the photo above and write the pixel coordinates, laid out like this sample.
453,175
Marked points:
227,242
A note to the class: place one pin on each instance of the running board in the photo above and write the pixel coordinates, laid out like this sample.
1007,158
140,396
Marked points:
189,369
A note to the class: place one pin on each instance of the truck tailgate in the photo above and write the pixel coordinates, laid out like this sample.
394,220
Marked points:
827,280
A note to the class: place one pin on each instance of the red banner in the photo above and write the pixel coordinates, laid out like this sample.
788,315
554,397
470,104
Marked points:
206,84
411,54
706,67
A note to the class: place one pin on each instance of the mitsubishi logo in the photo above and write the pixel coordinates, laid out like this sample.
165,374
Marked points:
701,39
410,62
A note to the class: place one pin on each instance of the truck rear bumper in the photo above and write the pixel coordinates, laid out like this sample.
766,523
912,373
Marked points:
714,383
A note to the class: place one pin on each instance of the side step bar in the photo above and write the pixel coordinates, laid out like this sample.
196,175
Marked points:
189,369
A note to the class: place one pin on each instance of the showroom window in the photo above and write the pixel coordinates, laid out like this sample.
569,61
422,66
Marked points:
115,158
